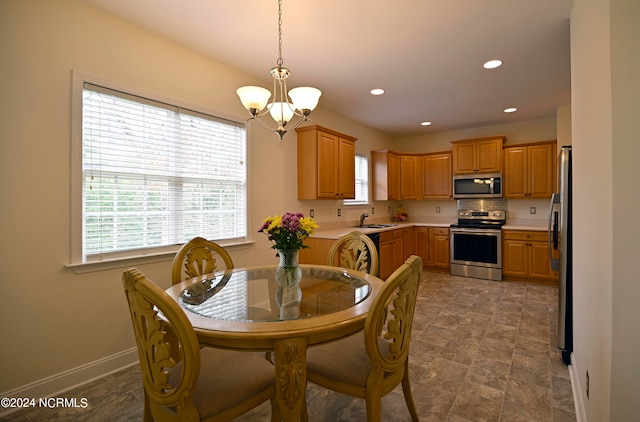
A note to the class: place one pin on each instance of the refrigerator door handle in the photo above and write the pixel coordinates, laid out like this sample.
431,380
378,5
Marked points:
553,230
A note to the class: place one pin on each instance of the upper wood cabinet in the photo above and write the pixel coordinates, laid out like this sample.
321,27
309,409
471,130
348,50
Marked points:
409,177
529,170
326,164
385,175
395,175
436,176
480,155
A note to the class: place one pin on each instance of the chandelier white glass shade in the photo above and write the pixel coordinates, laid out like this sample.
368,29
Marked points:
284,105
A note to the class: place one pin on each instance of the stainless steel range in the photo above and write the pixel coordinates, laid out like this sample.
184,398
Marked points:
476,240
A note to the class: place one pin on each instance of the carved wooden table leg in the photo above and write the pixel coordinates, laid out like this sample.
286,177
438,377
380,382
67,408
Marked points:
291,376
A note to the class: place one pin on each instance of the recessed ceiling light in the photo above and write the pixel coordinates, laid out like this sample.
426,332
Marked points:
426,123
377,91
510,110
492,64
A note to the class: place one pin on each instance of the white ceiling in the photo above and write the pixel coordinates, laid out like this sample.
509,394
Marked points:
426,54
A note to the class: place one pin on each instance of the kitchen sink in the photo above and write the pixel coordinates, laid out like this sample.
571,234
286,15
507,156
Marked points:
376,226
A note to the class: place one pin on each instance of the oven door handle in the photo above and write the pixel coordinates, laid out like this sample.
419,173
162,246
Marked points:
486,232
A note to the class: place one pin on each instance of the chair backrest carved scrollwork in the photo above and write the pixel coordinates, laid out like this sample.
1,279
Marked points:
157,341
198,257
355,251
391,317
183,382
371,364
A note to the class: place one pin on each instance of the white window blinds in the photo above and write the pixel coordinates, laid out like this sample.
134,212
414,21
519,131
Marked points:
362,181
157,175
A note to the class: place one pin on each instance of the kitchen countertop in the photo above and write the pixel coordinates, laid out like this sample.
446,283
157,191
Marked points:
532,225
338,232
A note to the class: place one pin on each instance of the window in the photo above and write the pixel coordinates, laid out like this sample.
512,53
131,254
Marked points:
156,175
362,182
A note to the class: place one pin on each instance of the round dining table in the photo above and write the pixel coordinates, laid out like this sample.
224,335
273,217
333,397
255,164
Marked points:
245,309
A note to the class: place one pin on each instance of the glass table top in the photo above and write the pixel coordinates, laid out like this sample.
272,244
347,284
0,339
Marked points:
252,294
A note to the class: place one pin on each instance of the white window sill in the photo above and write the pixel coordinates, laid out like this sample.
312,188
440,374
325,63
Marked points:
134,260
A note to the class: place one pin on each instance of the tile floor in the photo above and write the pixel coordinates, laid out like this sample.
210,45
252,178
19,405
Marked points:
481,351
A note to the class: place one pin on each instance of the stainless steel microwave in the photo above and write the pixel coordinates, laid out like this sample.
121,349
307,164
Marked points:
477,185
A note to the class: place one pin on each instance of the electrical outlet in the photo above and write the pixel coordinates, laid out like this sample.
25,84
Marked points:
339,212
587,384
532,210
373,210
311,213
389,210
437,210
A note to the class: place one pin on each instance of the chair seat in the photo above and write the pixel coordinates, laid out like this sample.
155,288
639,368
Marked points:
245,375
344,361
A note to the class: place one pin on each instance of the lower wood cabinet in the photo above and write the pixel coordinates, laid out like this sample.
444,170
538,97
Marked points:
409,238
317,251
525,256
432,245
391,252
394,248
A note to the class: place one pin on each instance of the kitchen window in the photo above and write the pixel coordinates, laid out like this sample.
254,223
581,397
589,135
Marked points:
362,182
154,175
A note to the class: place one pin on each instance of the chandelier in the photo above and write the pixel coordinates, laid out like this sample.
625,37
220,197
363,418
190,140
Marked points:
283,106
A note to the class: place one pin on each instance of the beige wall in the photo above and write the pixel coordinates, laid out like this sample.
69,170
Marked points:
57,320
53,320
605,63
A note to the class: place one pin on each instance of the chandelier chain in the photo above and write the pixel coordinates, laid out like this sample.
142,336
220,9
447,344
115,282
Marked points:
279,61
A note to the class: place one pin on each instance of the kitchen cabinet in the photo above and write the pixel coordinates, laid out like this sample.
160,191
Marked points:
409,177
326,164
480,155
395,176
317,251
391,252
439,247
525,256
385,175
432,245
409,245
529,170
436,176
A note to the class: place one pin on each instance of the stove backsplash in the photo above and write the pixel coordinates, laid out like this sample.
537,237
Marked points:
482,204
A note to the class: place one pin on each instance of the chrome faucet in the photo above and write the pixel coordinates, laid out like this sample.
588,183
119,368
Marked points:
362,217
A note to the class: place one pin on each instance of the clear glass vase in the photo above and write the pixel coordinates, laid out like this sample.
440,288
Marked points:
288,299
288,272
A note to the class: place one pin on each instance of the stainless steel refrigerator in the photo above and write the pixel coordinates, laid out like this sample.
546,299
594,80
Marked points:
560,251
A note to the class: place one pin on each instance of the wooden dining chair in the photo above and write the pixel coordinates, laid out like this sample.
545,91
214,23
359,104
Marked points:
355,251
372,363
181,381
198,257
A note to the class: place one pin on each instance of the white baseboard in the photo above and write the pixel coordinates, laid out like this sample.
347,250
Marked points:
576,388
67,380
